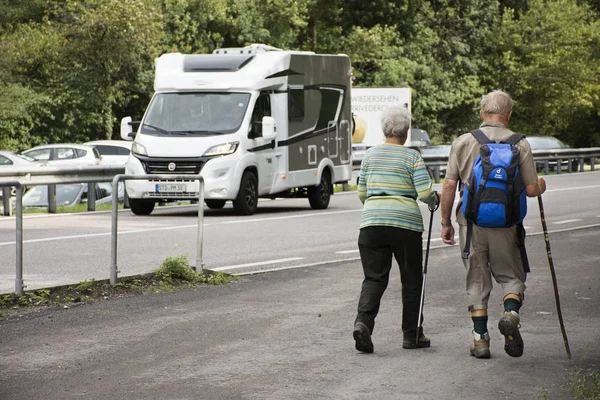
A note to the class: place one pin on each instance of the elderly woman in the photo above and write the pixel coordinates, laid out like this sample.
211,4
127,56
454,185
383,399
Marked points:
391,179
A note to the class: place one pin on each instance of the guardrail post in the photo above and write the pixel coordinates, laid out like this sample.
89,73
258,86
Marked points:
592,163
91,196
581,164
52,199
19,287
199,262
6,206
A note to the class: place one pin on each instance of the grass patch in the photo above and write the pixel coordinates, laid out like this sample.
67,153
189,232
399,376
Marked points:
579,384
340,188
68,209
173,274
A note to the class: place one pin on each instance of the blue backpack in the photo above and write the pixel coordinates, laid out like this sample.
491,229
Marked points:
494,196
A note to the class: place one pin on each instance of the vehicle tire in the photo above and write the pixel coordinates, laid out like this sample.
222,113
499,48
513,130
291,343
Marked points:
215,204
246,201
319,196
141,207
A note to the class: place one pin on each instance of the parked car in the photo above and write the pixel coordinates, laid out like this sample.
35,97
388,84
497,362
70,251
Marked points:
10,158
418,138
70,194
442,150
113,152
65,154
550,143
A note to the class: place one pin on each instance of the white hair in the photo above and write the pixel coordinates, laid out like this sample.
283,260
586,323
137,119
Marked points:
395,122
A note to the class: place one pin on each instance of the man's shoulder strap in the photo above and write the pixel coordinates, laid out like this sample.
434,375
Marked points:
514,139
480,136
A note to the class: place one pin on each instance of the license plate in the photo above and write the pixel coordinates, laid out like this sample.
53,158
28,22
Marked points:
170,187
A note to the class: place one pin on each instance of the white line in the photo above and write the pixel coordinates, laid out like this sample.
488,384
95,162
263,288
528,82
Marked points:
281,260
167,228
237,221
573,188
299,266
566,221
346,251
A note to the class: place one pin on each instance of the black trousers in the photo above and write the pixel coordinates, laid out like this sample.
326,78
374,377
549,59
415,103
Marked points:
377,244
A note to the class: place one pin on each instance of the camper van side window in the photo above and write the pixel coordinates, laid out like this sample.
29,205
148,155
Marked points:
261,109
296,104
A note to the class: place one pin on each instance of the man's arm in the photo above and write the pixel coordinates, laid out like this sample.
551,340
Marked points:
446,204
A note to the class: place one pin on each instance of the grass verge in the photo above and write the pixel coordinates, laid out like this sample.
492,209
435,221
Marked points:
578,384
173,274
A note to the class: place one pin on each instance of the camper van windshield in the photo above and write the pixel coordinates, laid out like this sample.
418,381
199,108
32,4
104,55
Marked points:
195,113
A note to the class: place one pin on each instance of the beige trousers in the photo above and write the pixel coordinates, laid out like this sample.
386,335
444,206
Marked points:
494,252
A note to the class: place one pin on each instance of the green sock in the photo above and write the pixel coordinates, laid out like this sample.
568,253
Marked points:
512,305
480,324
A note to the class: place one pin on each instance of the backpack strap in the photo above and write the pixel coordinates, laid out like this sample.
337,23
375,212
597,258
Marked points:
514,138
522,250
480,136
467,249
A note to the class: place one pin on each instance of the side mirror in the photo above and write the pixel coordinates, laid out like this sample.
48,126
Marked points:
127,132
269,130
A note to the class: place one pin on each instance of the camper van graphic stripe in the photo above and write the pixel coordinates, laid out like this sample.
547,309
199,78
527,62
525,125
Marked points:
392,178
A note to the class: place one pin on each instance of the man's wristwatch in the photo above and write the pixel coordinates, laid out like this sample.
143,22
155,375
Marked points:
447,224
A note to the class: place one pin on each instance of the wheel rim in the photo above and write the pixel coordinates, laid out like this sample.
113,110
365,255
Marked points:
324,189
250,194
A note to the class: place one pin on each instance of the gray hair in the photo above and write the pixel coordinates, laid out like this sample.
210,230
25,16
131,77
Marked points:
496,102
395,122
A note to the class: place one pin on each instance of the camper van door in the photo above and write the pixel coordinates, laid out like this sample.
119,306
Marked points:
265,151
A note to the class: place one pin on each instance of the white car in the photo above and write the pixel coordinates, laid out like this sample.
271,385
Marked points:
113,152
65,154
12,159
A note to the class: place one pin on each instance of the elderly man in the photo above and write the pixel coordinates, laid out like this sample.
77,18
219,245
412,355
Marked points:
494,251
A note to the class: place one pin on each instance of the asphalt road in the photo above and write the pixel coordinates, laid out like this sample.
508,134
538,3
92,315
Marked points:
67,249
287,334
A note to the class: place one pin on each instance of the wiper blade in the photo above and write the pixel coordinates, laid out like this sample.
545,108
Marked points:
156,128
190,133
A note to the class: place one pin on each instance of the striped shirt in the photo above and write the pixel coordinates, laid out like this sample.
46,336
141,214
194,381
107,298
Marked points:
391,178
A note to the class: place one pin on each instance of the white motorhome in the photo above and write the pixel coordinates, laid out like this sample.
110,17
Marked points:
254,122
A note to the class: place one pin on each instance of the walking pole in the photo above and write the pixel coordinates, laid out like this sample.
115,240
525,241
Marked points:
553,273
425,271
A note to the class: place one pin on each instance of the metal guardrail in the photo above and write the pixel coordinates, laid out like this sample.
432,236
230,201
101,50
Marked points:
52,176
539,156
92,174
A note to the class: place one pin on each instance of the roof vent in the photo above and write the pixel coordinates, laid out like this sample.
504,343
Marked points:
252,49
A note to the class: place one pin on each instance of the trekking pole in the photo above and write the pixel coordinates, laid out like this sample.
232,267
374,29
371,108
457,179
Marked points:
553,273
422,302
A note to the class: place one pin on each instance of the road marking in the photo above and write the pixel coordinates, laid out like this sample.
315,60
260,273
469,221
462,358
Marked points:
299,266
567,221
573,188
346,251
238,221
281,260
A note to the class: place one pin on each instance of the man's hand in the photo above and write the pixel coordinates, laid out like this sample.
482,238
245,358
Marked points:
542,185
448,235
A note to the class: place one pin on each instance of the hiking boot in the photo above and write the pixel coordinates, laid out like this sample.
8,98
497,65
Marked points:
362,336
509,327
410,340
481,345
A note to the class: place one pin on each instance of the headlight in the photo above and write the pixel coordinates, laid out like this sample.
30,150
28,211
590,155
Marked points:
222,149
139,149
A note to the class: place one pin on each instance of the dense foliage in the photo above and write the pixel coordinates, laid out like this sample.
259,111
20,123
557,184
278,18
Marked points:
72,68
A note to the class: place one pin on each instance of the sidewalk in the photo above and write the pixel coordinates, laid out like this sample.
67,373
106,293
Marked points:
288,335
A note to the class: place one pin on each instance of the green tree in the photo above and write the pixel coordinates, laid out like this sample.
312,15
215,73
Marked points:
549,64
